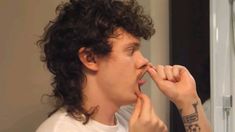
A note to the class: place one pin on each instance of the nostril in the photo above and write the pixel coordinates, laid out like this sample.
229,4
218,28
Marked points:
144,66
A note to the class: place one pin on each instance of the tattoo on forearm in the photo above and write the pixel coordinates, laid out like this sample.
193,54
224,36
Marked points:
191,121
188,119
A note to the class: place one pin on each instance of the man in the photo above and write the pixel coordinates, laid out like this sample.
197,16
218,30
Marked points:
92,49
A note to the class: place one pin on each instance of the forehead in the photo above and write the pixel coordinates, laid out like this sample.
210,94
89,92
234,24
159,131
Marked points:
122,38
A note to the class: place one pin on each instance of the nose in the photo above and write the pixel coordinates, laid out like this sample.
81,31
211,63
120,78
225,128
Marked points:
141,62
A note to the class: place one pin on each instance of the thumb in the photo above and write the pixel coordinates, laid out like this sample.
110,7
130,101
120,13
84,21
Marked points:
136,113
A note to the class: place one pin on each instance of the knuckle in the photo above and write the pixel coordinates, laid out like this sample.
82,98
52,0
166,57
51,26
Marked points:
153,123
159,67
179,66
168,66
168,69
162,125
165,129
145,122
175,67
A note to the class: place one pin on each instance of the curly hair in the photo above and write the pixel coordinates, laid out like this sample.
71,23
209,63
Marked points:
88,24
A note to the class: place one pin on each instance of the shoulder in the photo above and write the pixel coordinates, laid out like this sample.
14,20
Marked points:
60,122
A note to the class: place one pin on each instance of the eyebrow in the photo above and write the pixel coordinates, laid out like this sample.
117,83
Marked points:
134,44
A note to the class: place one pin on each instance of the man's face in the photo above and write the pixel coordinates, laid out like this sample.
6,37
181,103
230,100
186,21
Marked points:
119,74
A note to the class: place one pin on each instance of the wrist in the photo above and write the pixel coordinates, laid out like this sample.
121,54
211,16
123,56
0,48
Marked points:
186,103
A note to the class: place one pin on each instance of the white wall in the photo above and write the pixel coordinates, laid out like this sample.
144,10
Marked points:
24,79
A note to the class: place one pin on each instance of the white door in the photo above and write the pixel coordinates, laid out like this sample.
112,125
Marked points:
222,66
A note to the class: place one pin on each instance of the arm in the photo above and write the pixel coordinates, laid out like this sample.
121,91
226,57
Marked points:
179,86
193,117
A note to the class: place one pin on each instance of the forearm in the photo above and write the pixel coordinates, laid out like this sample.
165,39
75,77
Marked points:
194,117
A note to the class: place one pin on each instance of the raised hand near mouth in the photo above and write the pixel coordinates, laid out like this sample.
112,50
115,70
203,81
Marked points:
179,86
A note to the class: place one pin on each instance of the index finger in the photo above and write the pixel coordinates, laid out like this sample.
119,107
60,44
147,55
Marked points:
146,106
136,113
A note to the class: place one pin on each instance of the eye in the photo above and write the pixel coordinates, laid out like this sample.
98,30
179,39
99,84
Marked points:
131,50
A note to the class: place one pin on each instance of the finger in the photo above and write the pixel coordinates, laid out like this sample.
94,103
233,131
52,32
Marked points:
136,113
184,74
154,75
176,73
180,68
163,85
146,107
165,129
160,70
154,115
163,126
169,73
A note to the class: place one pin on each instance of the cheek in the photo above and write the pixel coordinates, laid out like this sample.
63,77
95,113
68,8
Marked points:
120,71
122,66
120,77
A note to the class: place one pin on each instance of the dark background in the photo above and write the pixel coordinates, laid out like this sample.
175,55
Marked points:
189,46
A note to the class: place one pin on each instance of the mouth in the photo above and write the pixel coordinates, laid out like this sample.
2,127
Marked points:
140,81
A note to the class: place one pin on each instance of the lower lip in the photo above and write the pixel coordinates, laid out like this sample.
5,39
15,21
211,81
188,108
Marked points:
141,82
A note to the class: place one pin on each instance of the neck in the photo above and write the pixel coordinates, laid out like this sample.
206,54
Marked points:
106,109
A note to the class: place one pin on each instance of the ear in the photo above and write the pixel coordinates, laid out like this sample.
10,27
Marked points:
88,58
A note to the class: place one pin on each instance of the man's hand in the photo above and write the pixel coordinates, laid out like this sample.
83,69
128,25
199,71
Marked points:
144,118
176,83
